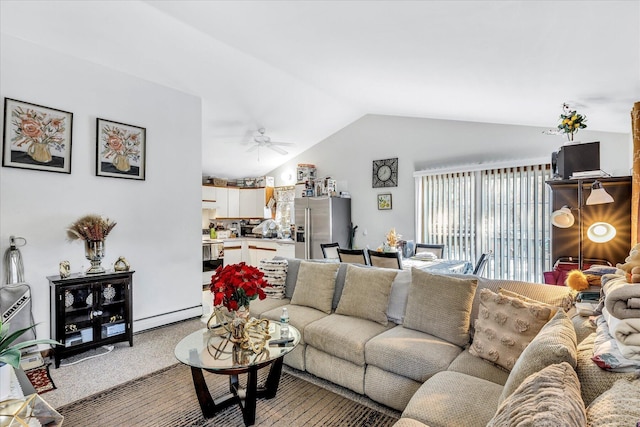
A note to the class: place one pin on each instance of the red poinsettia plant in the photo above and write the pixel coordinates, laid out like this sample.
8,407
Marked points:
235,285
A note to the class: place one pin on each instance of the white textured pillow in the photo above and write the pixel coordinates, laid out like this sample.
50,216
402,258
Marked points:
550,397
504,327
398,297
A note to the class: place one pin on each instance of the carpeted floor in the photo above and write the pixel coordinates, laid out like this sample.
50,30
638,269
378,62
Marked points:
167,398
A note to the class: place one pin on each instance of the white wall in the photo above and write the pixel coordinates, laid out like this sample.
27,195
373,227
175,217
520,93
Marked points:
427,143
157,219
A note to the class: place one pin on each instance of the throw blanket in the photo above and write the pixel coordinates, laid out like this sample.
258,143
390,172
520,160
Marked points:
622,298
626,332
606,353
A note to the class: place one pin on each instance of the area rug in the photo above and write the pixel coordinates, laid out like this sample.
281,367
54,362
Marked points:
167,398
40,378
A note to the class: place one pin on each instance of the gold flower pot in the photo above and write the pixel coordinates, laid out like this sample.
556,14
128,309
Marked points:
121,162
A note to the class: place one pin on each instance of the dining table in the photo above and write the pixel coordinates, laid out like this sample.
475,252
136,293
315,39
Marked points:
442,266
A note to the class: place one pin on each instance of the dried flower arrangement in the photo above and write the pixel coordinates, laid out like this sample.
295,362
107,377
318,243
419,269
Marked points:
90,227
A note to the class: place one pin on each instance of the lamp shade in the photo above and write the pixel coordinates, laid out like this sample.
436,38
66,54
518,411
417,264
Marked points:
598,195
601,232
562,218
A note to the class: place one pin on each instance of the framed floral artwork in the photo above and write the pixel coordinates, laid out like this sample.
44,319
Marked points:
384,201
36,137
121,151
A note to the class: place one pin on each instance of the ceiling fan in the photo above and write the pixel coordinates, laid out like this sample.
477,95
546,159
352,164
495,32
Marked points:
262,140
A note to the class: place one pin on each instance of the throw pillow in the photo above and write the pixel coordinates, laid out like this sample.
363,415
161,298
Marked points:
366,293
275,273
618,406
440,306
398,297
315,285
512,294
555,343
504,327
550,397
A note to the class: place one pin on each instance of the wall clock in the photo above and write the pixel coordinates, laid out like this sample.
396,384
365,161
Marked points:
385,173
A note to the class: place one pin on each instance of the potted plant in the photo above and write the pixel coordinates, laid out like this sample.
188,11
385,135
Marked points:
10,353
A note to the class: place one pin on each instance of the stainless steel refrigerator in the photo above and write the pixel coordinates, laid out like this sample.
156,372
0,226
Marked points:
321,220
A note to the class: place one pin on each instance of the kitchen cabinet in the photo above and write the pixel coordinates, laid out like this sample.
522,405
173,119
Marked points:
89,311
209,197
233,203
252,202
233,251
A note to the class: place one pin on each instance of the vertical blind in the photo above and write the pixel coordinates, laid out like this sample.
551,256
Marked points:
503,212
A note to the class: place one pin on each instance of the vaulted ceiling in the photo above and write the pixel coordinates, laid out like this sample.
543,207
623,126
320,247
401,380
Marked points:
305,69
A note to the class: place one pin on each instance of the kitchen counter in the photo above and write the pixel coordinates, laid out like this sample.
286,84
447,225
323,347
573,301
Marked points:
256,239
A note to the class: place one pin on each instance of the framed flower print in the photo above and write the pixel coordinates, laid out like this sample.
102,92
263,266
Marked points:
36,137
121,150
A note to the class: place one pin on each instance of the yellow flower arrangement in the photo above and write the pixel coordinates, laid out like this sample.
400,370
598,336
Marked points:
571,121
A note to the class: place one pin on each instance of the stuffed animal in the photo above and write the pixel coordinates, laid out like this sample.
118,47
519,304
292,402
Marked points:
577,280
633,260
635,275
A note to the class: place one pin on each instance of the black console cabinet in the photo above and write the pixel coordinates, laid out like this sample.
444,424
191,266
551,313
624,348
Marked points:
89,311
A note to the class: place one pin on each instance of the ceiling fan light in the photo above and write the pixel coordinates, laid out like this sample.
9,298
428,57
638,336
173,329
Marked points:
562,218
598,195
601,232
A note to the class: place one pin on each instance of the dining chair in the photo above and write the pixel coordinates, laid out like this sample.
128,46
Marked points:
385,259
352,256
481,264
330,250
437,250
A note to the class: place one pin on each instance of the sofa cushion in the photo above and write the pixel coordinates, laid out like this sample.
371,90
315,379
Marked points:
398,297
440,306
504,327
618,406
555,343
593,380
409,422
299,317
315,285
275,273
379,382
366,293
342,336
410,353
455,400
466,363
550,397
259,306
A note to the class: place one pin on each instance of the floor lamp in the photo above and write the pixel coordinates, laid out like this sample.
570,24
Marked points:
598,232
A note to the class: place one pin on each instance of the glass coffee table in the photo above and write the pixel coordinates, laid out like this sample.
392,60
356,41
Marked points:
204,350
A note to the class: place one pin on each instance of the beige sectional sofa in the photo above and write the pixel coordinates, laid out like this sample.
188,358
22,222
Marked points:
406,340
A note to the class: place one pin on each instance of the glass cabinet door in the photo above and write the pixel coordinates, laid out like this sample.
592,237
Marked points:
78,314
112,295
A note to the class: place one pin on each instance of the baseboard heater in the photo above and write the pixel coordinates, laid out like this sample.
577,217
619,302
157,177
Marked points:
166,318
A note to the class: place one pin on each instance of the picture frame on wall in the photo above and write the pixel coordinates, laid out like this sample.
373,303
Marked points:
384,201
36,137
121,150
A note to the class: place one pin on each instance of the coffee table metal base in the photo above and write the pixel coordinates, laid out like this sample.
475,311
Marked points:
251,393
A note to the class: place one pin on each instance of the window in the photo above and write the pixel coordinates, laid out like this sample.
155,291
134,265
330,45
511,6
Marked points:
502,211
